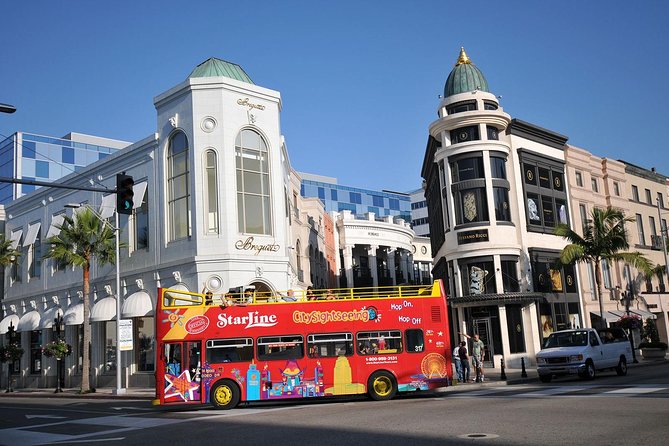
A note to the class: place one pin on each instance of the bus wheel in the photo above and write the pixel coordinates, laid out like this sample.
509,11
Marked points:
225,395
381,386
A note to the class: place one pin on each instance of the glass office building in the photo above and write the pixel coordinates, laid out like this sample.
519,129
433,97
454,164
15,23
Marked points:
359,201
43,158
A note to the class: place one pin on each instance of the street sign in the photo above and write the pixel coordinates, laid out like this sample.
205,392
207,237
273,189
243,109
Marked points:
125,334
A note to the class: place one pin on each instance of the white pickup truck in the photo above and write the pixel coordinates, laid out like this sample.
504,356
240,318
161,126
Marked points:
584,352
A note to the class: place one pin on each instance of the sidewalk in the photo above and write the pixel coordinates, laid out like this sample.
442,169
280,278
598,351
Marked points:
492,378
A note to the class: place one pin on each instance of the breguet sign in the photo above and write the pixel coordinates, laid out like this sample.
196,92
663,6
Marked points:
480,235
250,245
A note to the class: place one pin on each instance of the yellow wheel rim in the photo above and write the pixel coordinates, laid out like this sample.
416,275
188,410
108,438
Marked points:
382,386
223,395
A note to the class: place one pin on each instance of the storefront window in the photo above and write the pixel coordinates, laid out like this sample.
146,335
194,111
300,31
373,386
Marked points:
36,351
478,277
110,346
145,340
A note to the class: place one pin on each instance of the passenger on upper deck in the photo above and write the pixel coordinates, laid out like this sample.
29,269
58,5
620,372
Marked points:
310,293
330,295
289,297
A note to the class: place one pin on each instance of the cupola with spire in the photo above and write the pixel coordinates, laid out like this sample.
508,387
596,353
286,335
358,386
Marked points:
464,77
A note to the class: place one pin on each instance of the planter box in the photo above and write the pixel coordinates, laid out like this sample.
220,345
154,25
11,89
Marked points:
653,353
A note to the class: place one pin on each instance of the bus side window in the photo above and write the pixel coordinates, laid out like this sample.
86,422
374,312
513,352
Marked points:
414,340
173,357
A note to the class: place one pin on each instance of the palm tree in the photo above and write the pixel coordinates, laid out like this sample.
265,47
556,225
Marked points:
604,238
8,254
81,238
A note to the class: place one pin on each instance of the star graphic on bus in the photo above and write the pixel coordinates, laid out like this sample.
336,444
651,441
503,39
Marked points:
173,317
181,386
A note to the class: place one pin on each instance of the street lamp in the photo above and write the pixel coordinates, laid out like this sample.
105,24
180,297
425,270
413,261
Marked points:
11,339
626,298
58,329
119,387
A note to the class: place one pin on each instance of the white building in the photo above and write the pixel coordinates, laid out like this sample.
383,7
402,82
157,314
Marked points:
495,189
210,211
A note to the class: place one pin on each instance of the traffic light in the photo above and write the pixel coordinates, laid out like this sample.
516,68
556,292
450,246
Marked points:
124,193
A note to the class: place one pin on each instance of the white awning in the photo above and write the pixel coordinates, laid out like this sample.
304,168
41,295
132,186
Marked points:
643,313
108,206
137,305
104,310
608,316
74,315
138,194
12,320
15,238
56,223
31,235
29,321
48,317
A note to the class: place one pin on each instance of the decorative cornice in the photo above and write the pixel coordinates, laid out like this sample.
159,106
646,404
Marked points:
537,134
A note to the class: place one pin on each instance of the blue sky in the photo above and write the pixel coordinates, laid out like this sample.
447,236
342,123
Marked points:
359,79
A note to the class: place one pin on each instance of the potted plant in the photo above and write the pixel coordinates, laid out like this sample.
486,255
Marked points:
651,346
10,353
629,322
58,349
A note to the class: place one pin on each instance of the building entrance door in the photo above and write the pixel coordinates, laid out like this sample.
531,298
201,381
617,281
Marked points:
482,328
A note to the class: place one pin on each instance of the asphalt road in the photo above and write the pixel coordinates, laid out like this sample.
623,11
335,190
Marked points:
610,410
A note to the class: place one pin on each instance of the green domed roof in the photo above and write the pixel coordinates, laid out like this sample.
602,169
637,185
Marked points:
464,77
213,67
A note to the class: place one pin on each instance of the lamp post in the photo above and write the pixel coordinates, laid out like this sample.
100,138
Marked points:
11,338
119,385
627,297
58,328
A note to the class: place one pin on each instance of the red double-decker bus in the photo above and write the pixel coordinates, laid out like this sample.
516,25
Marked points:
250,347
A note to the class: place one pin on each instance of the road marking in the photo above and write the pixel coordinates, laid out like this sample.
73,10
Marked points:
87,440
636,390
53,417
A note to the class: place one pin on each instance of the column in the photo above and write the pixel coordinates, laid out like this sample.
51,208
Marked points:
390,254
410,268
348,264
403,266
503,323
371,256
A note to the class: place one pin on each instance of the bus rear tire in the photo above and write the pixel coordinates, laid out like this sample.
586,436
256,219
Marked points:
381,386
224,395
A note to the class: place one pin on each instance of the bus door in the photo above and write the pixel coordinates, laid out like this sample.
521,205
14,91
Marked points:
183,372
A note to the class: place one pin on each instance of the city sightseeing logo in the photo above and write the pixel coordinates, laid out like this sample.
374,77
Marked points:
251,320
323,317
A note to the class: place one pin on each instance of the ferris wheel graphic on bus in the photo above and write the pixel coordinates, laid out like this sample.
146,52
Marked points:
433,366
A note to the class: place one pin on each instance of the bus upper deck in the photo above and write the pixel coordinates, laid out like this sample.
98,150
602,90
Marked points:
173,298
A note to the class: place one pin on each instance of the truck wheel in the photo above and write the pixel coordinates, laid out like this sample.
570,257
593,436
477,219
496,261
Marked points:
621,369
589,370
381,386
545,378
224,395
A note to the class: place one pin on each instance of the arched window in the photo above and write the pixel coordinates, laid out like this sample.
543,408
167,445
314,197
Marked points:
178,193
254,211
211,191
298,254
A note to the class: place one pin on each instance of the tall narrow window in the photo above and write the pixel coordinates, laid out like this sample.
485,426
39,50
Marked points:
606,273
142,224
35,351
584,216
639,227
178,187
254,211
211,186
